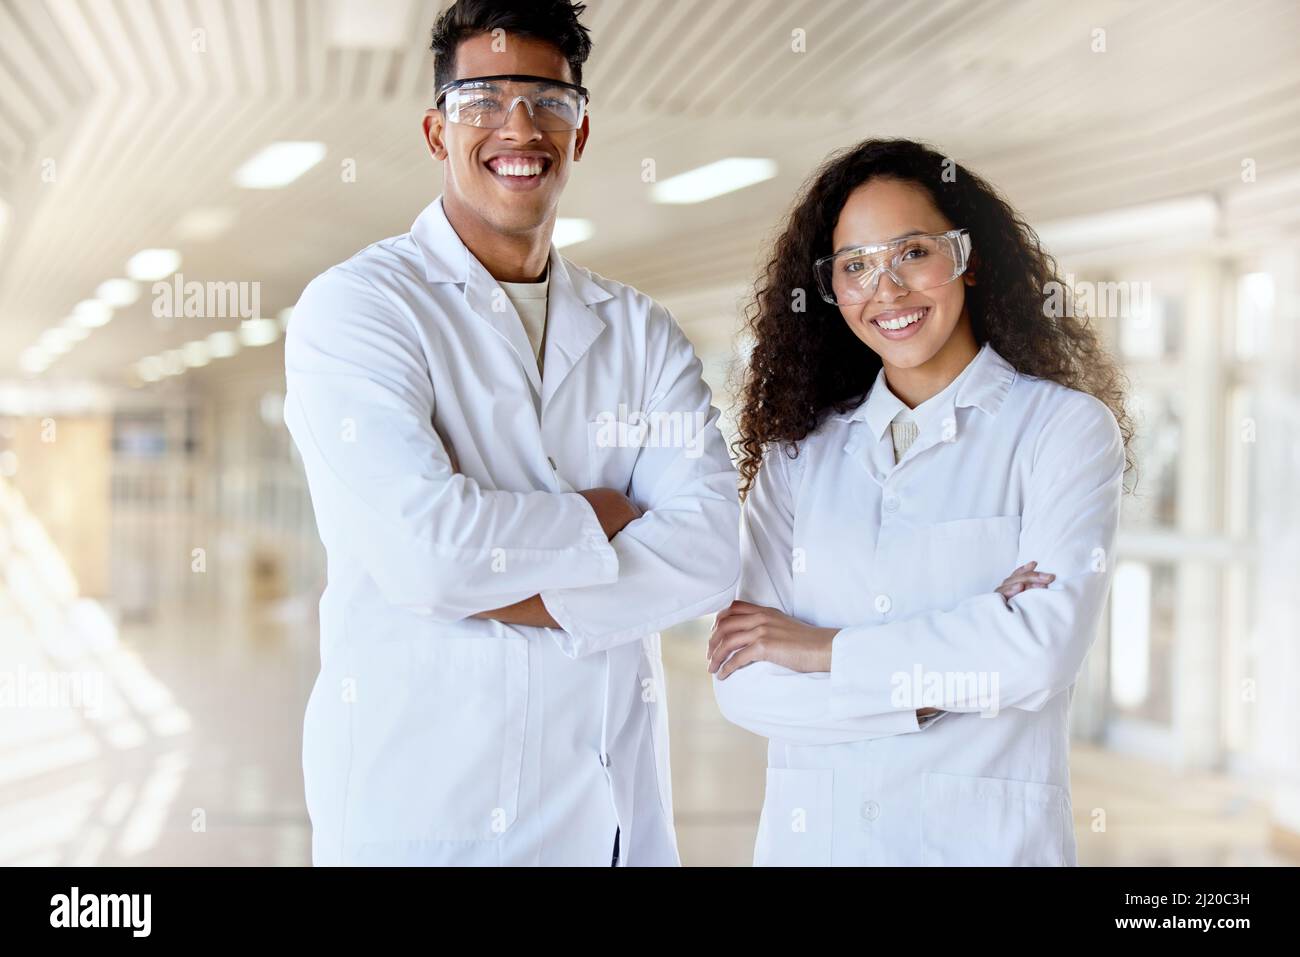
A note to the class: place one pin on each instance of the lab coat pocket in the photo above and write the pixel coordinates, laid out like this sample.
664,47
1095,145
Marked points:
971,556
795,828
438,728
982,822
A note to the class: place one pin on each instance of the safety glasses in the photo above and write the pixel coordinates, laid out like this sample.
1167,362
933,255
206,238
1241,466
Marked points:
914,263
486,102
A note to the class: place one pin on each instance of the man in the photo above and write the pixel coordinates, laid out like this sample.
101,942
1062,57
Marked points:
491,689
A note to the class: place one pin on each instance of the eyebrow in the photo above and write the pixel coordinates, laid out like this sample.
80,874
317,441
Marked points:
848,246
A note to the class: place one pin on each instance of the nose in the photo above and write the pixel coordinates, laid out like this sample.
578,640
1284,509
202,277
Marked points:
519,124
890,292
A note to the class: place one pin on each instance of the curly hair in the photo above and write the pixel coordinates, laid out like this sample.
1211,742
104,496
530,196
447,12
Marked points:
806,363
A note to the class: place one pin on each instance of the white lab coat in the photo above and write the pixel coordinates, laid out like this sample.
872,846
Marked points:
434,738
905,559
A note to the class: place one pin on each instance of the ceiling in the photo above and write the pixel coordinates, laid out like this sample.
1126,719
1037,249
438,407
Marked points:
122,121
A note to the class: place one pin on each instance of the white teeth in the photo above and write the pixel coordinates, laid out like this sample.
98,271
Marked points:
900,322
508,168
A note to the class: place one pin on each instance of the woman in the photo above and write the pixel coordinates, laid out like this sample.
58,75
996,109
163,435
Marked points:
913,424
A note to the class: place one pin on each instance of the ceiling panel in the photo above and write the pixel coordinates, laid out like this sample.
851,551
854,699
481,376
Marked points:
145,108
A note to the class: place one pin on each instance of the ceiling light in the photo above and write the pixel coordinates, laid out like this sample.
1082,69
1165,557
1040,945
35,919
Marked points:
118,293
91,314
223,345
56,341
34,360
284,316
150,368
149,265
173,362
258,332
570,232
204,224
74,330
716,179
279,165
196,354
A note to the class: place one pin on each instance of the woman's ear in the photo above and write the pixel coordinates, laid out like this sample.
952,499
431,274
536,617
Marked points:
968,277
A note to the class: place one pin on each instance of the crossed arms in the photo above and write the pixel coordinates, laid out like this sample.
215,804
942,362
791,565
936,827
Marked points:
360,407
845,690
613,510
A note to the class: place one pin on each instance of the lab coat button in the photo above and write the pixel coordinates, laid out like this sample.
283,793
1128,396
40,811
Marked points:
871,810
891,503
883,604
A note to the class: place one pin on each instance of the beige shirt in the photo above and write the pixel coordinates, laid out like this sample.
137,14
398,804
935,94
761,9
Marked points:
904,427
904,432
529,300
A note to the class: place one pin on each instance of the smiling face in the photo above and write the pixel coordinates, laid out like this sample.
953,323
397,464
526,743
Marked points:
509,179
908,330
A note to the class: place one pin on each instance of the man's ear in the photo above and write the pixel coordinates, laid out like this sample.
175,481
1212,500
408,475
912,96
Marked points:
435,127
583,132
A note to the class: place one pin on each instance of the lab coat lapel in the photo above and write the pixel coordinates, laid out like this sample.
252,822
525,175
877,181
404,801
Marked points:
484,296
571,325
448,260
870,442
876,456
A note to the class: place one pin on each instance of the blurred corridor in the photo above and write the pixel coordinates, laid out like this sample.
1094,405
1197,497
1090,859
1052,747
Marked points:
122,783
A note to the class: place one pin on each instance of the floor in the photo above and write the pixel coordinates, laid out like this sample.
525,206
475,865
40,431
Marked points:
185,751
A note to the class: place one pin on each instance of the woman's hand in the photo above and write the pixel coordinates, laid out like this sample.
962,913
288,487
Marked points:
745,633
1021,579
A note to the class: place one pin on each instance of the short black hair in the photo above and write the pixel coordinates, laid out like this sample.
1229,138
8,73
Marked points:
552,21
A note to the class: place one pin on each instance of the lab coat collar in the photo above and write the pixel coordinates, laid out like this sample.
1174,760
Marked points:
881,407
448,259
983,384
989,382
571,326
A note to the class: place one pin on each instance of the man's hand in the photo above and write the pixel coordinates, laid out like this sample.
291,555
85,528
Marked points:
744,633
613,509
